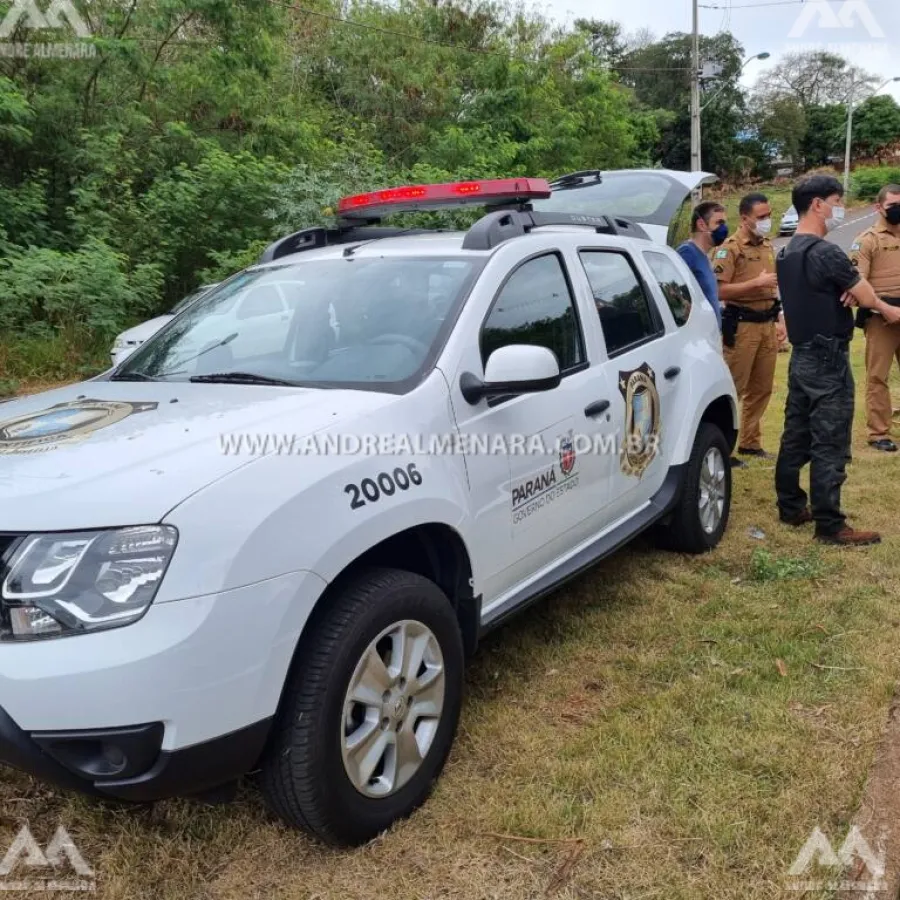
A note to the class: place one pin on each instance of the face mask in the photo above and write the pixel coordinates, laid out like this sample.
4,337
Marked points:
720,234
836,217
892,214
764,227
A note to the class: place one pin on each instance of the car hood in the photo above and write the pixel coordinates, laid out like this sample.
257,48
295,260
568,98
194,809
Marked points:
147,329
103,454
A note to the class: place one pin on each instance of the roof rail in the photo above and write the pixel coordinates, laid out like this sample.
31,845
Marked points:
497,227
487,233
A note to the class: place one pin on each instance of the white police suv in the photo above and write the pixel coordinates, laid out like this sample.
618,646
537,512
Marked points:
206,570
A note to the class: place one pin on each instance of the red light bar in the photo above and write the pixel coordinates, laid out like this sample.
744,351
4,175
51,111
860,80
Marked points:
435,196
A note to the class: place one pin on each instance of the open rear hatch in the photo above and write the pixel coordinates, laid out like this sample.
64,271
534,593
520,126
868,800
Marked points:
659,200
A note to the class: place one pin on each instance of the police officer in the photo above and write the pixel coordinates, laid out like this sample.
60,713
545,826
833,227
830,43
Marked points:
818,285
752,325
876,255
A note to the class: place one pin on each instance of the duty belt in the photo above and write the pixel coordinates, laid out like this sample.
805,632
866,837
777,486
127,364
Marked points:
745,314
733,315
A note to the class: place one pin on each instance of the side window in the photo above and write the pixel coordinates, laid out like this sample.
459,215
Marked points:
680,226
673,285
626,313
535,306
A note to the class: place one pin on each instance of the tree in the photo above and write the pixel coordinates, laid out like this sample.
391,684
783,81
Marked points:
825,134
876,125
608,42
814,78
659,74
782,126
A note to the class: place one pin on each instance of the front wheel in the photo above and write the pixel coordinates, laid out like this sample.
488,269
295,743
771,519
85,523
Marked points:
370,712
701,516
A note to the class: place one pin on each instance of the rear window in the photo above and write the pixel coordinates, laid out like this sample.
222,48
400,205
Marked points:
633,195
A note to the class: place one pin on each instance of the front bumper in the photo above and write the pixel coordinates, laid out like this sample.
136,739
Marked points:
173,705
88,761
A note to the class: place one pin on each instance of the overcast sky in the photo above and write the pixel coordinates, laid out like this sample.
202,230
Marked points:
867,32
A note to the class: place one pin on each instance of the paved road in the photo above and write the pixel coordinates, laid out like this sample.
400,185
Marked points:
856,223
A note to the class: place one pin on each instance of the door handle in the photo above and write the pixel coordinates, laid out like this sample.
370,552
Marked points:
596,409
674,372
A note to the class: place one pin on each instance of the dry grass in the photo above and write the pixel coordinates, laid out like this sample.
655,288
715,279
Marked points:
668,727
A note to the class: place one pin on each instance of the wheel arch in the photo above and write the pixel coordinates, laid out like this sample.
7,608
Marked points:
433,550
722,413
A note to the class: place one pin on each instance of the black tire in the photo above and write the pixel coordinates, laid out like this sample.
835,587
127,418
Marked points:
685,533
303,777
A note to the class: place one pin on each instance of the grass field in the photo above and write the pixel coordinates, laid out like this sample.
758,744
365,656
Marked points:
668,727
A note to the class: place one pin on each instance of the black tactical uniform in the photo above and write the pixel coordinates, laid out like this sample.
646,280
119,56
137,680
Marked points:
813,276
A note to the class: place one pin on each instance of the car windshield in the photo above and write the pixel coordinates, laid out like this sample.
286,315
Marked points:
186,301
339,322
641,196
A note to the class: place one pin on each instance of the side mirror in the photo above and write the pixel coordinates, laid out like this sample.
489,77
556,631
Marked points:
515,369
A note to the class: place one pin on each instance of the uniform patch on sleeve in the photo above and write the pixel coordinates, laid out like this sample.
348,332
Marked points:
855,246
721,254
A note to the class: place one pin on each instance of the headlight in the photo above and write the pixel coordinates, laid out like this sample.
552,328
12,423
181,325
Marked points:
53,585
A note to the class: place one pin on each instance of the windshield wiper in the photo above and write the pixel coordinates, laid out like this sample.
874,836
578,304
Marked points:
239,378
132,376
223,343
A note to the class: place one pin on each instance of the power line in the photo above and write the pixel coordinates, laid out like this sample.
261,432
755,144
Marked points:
757,5
732,6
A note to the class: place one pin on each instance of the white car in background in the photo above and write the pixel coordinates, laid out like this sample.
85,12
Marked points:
128,341
789,223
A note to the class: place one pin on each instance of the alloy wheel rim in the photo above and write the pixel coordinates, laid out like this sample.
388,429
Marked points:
392,709
711,502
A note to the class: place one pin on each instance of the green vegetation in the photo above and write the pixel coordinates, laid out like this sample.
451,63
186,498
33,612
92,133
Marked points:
867,182
195,131
766,566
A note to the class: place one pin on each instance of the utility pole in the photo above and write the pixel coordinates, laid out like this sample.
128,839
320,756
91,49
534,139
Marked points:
849,132
695,98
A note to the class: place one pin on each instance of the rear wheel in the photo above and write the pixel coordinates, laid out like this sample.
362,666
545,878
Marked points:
370,712
701,517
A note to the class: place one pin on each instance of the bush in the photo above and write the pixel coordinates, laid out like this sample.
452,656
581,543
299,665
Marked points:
40,359
867,182
88,294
